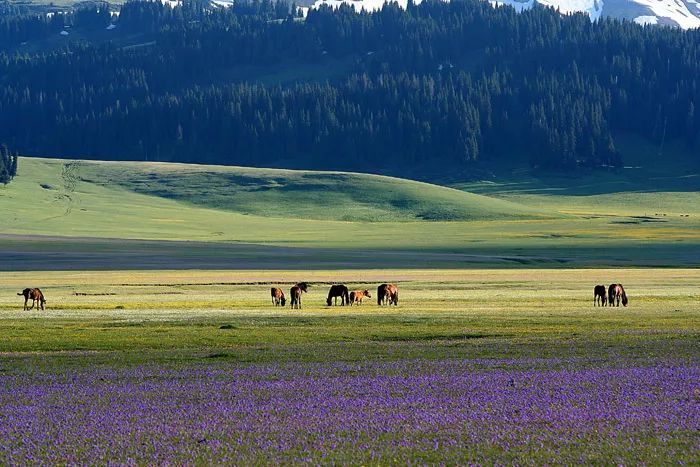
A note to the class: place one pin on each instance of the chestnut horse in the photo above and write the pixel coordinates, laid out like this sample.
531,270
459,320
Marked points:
295,294
599,295
277,296
35,295
338,290
387,294
356,296
615,293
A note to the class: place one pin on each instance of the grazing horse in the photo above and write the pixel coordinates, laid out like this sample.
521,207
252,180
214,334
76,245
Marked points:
387,294
295,294
277,296
599,295
616,293
338,290
356,296
35,295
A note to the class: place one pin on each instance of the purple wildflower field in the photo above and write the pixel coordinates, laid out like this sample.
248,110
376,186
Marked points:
409,412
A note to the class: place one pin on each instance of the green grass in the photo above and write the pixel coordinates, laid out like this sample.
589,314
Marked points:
339,219
475,313
649,183
335,196
175,328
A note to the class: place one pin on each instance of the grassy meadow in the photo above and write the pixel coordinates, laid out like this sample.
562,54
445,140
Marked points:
307,220
473,366
462,310
159,343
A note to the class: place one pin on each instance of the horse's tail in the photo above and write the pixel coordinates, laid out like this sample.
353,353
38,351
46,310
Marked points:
624,296
611,293
396,298
346,296
20,293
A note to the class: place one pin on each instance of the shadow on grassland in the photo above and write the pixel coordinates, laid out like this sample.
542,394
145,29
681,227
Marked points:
43,253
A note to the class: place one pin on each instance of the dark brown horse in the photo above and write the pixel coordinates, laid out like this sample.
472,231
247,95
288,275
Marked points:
599,297
277,296
338,290
616,293
35,295
356,296
387,294
295,294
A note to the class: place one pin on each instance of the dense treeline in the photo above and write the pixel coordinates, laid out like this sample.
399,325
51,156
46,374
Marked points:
441,84
8,164
20,23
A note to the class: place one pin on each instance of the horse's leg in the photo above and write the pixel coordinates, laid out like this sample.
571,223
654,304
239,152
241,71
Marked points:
26,299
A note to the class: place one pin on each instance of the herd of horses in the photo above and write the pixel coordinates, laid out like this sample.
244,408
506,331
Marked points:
387,294
615,295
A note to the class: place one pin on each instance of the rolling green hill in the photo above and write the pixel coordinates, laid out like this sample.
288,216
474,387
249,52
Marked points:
61,214
336,196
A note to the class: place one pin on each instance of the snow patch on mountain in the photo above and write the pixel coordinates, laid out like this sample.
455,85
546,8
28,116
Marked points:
646,20
676,11
359,5
594,8
518,5
681,13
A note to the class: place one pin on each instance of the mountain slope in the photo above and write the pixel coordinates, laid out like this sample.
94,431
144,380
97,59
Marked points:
677,13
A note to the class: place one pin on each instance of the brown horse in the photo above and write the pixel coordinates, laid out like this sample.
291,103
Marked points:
35,295
356,296
338,290
295,294
277,296
616,293
387,294
599,295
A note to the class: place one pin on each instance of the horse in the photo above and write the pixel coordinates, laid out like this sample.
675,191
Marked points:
356,296
295,294
277,296
599,295
615,293
387,294
338,290
35,295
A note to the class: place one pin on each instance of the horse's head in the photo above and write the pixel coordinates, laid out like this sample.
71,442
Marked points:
366,292
283,300
328,301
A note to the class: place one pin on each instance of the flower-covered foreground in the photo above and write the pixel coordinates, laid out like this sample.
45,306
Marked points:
417,411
